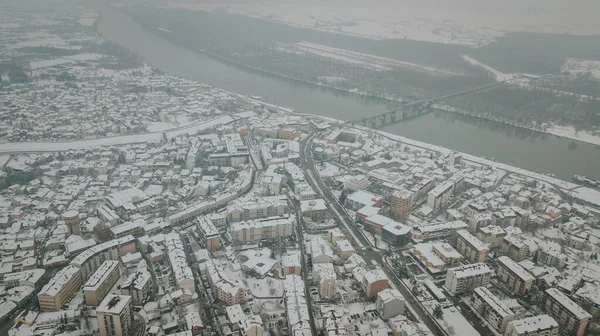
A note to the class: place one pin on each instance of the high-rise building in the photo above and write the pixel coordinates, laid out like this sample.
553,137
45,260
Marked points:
400,204
114,316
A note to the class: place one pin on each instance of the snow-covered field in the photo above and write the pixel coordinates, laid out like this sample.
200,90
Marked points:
365,60
576,66
500,77
570,133
462,22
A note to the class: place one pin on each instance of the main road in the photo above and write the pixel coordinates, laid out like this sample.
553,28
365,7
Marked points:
356,237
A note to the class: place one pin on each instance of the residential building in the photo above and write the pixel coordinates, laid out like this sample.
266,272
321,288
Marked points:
246,209
194,323
517,278
60,288
492,235
290,263
320,251
184,277
138,285
253,231
550,253
541,325
362,198
464,278
496,313
570,316
315,209
115,316
210,234
324,275
390,303
400,203
98,285
89,260
29,278
440,194
344,249
471,247
436,231
334,235
373,281
515,248
436,257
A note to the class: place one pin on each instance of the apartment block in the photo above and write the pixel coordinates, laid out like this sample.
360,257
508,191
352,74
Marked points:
210,234
59,289
541,325
515,248
517,278
114,316
464,278
253,231
570,316
98,285
471,247
400,203
496,313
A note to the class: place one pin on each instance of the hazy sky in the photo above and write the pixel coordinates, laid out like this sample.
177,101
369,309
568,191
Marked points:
469,22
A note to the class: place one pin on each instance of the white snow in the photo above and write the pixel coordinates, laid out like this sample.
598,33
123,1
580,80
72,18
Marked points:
453,22
570,133
364,60
500,77
577,66
265,288
21,147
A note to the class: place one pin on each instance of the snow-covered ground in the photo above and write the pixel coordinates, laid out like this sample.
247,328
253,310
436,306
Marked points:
460,22
500,77
20,147
364,60
327,169
265,288
570,133
576,66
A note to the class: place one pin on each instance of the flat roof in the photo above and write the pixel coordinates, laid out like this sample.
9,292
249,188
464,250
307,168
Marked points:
567,303
517,269
472,240
534,323
100,275
113,304
470,270
493,301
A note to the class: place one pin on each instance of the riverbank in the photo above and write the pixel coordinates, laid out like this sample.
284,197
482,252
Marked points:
565,132
164,34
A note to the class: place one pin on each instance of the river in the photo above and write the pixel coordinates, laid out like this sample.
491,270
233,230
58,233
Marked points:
526,149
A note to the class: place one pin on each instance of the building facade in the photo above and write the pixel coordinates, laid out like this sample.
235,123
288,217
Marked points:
114,316
471,247
464,278
496,313
517,278
569,315
400,203
98,285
